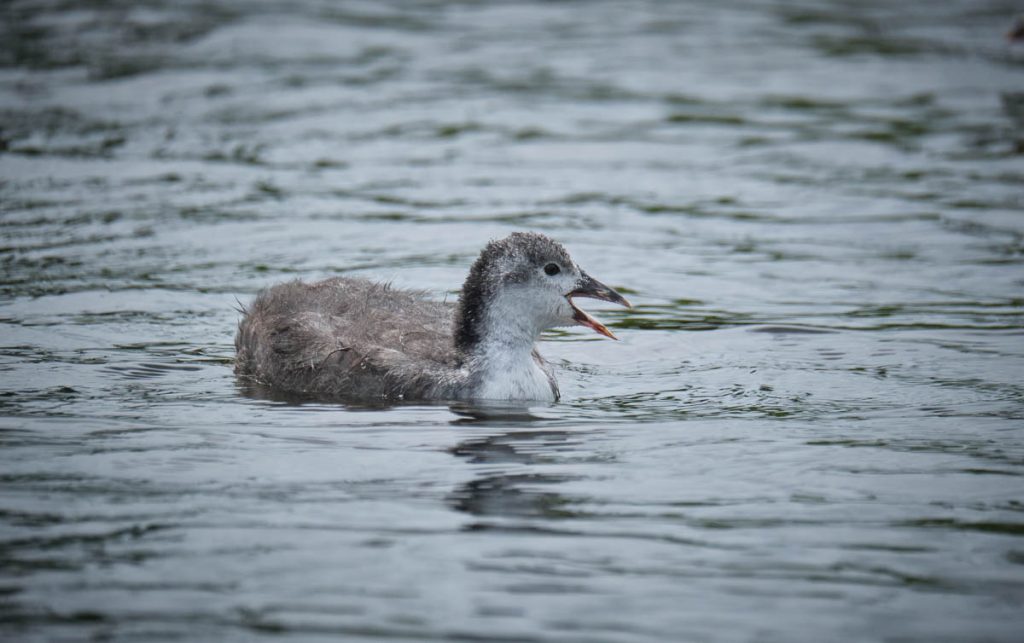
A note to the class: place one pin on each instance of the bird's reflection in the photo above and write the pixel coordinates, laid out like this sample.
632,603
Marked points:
516,435
494,414
520,440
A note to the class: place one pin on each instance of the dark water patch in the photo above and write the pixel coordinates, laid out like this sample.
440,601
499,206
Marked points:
240,153
324,163
442,131
896,131
713,209
148,370
76,283
88,240
965,315
516,218
53,394
380,17
113,65
846,573
15,207
541,569
1010,203
850,19
886,547
989,472
30,519
395,199
82,484
677,315
97,36
24,227
224,213
547,83
735,402
803,104
881,45
961,315
526,530
50,122
102,148
168,317
235,115
10,547
38,355
268,189
704,118
727,208
983,450
999,528
454,130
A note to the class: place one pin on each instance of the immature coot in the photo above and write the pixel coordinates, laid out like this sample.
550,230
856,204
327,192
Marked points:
353,338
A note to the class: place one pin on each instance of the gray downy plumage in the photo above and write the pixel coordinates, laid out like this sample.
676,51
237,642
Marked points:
344,338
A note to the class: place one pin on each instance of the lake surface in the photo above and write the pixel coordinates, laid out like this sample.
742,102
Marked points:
812,428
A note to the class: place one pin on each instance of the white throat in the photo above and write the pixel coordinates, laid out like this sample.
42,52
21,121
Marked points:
501,375
503,365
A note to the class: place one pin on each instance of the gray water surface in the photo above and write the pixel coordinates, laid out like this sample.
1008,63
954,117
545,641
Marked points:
812,428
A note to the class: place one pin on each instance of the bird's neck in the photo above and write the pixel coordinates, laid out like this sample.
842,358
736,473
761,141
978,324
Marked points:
500,359
503,370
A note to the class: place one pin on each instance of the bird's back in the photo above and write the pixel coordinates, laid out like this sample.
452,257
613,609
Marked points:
346,337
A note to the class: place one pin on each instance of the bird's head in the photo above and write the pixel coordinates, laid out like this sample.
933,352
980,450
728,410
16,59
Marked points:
522,285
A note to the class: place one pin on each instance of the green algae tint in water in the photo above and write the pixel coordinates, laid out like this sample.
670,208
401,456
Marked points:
811,429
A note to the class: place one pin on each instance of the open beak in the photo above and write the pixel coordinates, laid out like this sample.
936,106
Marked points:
587,286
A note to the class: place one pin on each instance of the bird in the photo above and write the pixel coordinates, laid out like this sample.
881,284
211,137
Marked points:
350,338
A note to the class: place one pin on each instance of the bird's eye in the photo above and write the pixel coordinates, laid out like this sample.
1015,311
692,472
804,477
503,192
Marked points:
552,269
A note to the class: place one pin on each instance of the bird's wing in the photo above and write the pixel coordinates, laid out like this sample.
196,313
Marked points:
345,337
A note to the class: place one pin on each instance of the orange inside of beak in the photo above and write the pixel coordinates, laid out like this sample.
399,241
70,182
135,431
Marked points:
584,318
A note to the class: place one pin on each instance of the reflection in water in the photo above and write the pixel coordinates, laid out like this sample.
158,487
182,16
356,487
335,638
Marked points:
494,413
506,496
510,494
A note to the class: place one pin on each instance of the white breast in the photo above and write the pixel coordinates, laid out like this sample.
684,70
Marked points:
514,378
503,364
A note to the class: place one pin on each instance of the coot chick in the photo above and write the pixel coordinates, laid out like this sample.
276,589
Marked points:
346,338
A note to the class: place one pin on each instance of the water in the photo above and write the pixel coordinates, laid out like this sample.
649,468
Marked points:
811,429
